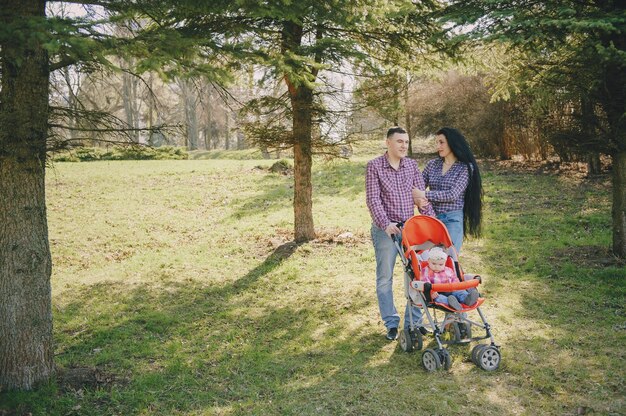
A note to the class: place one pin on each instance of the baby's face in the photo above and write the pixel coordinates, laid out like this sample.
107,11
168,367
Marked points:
436,265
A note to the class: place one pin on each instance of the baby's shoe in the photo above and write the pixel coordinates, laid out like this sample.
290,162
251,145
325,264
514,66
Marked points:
454,303
471,298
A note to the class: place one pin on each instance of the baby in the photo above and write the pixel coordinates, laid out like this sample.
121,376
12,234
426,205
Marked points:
437,272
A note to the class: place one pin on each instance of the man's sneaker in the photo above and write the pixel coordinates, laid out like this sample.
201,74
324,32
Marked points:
392,333
454,303
471,298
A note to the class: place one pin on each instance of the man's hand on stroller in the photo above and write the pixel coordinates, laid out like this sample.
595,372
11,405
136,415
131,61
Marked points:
391,229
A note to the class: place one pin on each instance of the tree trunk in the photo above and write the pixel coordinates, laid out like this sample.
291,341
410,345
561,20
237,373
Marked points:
301,103
26,351
619,204
191,120
407,114
613,99
227,136
156,139
72,101
129,97
503,147
208,118
301,106
594,164
241,142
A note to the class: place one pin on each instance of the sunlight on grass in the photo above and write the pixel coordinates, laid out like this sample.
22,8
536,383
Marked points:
171,279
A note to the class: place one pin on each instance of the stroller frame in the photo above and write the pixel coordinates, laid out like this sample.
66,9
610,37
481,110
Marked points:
431,232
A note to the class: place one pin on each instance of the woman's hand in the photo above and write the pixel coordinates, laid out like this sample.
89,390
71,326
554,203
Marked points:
419,197
422,203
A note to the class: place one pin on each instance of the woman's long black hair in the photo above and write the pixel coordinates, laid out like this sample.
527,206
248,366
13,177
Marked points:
473,206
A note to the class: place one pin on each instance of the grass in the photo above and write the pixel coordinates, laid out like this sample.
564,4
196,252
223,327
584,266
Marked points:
174,288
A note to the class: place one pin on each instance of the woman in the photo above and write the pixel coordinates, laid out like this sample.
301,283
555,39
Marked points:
455,188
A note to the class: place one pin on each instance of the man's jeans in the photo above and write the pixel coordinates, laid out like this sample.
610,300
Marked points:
385,252
454,223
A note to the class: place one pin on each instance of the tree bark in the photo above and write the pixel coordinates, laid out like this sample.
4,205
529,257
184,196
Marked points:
407,114
503,147
129,96
301,105
227,133
594,164
191,120
26,350
613,100
301,102
619,204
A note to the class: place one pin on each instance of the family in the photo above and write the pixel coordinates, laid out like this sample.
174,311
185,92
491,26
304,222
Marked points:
449,188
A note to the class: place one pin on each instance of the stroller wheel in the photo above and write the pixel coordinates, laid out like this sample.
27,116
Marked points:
461,332
489,358
430,360
406,340
410,340
476,351
465,331
455,332
418,339
446,359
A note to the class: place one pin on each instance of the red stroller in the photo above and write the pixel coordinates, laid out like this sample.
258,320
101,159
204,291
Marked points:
419,234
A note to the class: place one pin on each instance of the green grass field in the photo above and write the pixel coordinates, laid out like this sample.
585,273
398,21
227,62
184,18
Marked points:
173,294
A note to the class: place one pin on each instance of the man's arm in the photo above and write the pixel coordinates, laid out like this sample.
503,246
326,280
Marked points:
372,197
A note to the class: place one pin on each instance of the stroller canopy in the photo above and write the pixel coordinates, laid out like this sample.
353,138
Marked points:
425,232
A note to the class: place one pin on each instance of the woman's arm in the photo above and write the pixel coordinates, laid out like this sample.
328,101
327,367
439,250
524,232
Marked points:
457,186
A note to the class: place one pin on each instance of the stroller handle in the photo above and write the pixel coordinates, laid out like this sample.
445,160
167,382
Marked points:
444,287
396,238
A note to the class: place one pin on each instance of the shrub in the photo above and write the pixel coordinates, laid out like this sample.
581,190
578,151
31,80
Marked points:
87,154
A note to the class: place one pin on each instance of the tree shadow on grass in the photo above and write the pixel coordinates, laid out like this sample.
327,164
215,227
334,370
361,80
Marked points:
172,347
547,249
277,362
218,348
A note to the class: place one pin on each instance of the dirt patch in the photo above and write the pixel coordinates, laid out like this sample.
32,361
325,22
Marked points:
79,378
589,256
324,237
341,237
543,167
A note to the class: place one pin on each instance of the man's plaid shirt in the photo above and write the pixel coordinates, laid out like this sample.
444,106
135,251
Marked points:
447,192
388,191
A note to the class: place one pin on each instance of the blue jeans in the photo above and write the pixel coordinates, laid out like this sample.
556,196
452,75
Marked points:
460,295
385,252
454,223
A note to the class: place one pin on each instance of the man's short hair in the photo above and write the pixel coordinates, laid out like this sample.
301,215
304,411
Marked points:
395,130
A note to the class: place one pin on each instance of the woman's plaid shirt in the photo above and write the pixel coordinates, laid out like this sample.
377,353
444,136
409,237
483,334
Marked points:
388,191
447,192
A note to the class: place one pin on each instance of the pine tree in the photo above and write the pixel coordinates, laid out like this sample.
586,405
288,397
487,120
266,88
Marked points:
295,41
573,50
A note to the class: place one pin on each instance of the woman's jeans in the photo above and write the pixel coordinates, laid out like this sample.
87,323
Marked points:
454,223
386,252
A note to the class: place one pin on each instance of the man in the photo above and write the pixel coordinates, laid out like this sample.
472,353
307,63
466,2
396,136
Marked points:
389,182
